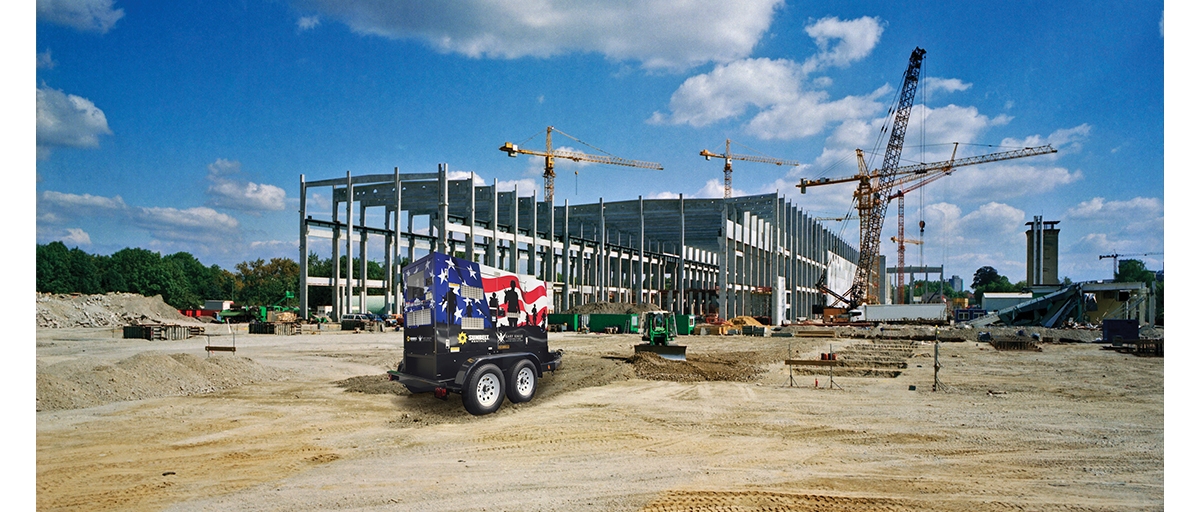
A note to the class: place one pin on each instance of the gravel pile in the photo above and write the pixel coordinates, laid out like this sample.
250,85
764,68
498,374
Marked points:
87,383
727,367
108,310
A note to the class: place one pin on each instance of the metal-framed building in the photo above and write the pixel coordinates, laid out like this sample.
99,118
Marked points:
756,255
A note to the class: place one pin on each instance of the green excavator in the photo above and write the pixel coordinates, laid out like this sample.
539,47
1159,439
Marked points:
659,332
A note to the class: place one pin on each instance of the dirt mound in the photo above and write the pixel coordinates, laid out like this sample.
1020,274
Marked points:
108,310
745,320
611,308
729,367
86,383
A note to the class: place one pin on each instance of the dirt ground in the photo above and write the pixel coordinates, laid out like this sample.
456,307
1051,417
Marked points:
310,422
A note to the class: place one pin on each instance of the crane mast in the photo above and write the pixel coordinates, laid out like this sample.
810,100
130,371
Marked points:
873,208
730,157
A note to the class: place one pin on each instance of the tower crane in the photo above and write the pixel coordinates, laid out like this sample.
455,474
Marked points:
917,176
911,177
1114,257
730,157
550,154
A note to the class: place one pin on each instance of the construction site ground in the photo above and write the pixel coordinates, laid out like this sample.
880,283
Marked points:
309,422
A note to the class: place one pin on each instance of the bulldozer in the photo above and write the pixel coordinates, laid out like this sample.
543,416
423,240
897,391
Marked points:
659,331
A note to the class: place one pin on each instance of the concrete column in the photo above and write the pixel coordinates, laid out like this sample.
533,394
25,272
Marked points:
641,265
566,255
603,267
362,258
443,208
336,265
397,288
471,220
533,232
515,253
679,279
302,290
723,263
349,243
493,244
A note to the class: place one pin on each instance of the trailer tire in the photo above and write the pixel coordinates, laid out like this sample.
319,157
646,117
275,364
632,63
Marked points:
483,392
522,382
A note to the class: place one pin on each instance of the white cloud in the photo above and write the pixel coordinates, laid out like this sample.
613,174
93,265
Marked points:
67,120
465,175
716,188
58,208
86,15
1097,208
308,22
525,187
44,60
661,34
1066,140
231,193
999,181
785,109
842,42
934,84
729,89
76,237
198,225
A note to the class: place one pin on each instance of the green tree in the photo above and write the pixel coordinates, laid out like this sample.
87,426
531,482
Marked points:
265,283
54,268
988,280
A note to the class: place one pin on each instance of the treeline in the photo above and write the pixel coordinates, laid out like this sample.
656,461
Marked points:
181,279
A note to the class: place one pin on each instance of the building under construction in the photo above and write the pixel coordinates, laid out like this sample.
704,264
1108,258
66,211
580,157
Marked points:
754,255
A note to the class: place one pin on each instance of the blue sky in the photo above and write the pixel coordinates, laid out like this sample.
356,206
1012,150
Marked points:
185,126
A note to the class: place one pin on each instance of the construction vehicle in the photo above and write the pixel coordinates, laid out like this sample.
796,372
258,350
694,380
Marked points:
659,330
730,157
460,337
261,314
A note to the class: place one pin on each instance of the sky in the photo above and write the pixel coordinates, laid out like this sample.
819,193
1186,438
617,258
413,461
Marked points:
185,125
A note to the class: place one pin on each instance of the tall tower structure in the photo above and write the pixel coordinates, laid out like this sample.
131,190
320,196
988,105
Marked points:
1041,252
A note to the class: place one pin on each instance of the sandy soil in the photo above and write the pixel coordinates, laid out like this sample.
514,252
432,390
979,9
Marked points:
310,423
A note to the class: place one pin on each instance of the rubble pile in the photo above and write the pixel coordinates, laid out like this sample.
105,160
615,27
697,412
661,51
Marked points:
611,308
107,310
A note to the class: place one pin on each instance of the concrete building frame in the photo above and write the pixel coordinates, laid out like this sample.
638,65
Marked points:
758,255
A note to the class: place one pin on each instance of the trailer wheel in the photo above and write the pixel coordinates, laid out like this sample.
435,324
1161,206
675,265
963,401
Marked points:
522,382
484,390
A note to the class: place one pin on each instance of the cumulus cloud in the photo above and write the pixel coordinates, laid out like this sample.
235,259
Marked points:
202,226
525,187
999,181
661,34
842,42
67,120
226,191
198,225
934,84
729,89
1098,208
1066,140
784,106
76,237
57,207
85,15
308,22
